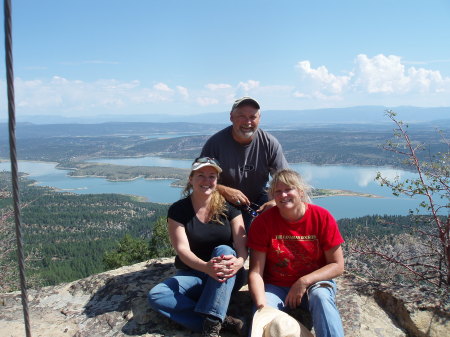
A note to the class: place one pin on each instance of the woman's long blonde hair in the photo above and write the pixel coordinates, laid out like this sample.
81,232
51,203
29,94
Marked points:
293,179
217,203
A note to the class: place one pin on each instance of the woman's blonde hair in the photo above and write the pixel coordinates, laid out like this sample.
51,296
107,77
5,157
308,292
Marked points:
217,203
292,179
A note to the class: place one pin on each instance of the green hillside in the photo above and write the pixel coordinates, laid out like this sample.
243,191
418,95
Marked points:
66,235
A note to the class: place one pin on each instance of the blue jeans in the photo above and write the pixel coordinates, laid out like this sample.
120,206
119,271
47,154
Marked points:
190,295
320,301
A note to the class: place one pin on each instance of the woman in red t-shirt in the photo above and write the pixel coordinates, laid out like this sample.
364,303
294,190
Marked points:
296,251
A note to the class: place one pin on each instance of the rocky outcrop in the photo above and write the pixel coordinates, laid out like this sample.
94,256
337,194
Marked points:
114,304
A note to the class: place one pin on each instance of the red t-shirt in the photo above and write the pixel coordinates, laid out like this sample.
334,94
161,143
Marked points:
293,249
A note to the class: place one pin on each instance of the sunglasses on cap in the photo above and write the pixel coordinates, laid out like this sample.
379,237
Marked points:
208,160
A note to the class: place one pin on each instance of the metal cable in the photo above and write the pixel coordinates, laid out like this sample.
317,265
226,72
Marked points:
14,170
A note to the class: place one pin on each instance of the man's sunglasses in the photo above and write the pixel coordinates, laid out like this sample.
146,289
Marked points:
251,209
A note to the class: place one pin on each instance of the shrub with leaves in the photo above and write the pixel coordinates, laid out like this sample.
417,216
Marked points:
424,256
130,250
133,250
160,245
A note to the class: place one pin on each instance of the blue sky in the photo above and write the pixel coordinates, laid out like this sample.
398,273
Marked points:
97,57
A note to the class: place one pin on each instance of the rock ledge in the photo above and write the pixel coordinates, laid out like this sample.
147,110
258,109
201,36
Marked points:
114,304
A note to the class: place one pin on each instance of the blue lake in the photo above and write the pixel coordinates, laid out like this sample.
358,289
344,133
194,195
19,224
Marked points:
352,178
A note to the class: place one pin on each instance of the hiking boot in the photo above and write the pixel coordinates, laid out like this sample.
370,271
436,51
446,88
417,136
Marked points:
211,327
235,325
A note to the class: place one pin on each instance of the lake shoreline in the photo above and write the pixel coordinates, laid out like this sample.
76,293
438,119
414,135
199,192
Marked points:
346,192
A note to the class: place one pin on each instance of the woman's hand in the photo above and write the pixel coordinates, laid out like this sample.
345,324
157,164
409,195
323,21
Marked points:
214,268
334,267
266,206
226,266
295,294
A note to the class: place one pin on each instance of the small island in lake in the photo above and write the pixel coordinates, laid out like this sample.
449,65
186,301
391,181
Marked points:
320,193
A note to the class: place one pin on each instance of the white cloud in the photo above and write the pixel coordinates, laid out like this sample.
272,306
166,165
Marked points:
387,75
214,87
39,96
36,93
184,92
300,94
322,79
162,87
381,74
248,86
381,79
372,77
428,80
204,101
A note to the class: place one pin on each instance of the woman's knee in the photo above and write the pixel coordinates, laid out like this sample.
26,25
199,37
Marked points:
223,249
325,314
323,310
157,293
321,296
275,296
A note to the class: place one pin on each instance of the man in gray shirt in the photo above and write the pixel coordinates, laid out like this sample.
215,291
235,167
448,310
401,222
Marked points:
247,156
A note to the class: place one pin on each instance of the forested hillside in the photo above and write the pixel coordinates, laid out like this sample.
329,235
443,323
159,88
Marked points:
66,235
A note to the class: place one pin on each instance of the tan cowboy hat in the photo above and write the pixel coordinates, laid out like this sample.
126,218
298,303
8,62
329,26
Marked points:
271,322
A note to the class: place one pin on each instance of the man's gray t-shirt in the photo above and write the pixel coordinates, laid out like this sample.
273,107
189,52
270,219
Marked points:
246,167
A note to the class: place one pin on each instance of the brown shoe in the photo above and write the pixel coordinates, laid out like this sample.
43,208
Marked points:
235,325
211,327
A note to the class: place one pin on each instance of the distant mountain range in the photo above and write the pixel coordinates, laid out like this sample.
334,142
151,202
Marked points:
355,115
271,118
